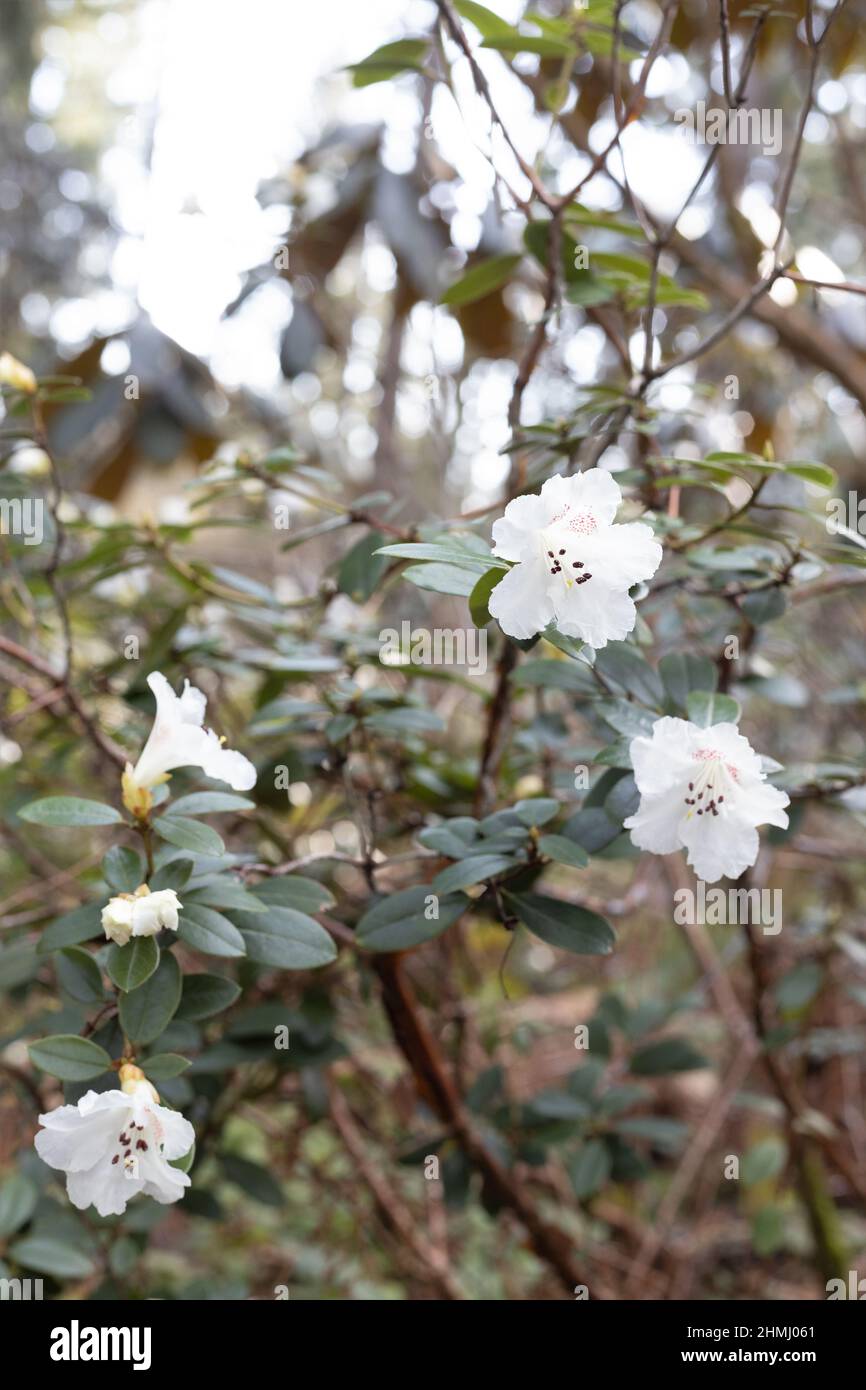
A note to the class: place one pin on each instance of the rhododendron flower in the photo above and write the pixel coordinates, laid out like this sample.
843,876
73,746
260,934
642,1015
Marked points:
141,913
116,1144
574,566
178,739
703,790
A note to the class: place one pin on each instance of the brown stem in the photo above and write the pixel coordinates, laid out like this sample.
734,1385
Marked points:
437,1088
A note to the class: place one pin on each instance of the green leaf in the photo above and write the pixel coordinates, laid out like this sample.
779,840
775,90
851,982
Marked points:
209,931
536,810
764,1160
590,1169
405,55
399,921
69,1057
682,672
189,834
488,24
480,597
545,46
252,1179
764,605
561,924
164,1065
78,925
122,869
625,667
666,1055
18,1198
286,938
362,567
478,869
292,890
130,965
564,851
207,803
175,874
707,707
817,473
146,1012
78,975
442,578
227,894
49,1255
69,810
481,280
446,552
206,995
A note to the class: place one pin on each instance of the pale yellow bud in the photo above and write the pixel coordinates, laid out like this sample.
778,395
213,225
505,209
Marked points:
14,373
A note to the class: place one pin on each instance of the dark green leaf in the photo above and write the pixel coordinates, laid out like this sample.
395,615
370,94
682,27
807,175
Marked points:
70,1057
561,924
130,965
146,1012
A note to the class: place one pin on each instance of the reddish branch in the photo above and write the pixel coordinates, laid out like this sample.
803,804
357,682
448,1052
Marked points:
439,1091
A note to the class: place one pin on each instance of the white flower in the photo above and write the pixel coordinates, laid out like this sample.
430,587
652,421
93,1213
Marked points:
153,911
117,919
574,566
704,790
114,1145
177,739
140,914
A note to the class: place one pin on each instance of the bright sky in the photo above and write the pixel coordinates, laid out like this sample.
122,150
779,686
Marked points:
237,91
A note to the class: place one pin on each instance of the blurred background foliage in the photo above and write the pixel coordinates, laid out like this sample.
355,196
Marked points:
255,261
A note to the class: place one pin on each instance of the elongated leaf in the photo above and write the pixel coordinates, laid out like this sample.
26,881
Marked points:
482,279
189,834
164,1066
146,1012
291,890
210,803
476,869
563,850
206,995
210,932
51,1255
70,1057
69,810
286,938
406,919
78,925
562,924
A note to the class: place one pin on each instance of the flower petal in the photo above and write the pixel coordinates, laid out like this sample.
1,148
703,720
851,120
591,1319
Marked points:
719,846
663,761
594,613
621,555
520,602
655,824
